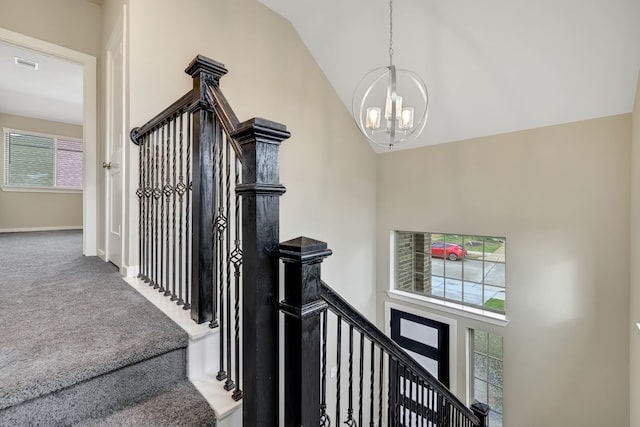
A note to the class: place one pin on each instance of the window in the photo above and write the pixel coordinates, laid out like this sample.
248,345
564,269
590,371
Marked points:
469,270
41,161
486,375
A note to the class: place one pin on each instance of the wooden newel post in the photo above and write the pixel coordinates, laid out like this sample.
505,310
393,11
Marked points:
203,70
260,140
302,306
481,410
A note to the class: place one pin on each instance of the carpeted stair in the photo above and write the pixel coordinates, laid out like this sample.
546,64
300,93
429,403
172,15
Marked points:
78,346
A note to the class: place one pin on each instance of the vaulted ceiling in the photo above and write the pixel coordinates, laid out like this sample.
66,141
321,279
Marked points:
491,66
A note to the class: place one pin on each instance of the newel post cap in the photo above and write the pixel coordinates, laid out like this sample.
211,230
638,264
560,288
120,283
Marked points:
202,64
304,250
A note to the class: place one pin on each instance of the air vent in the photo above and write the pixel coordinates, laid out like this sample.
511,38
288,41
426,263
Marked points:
26,63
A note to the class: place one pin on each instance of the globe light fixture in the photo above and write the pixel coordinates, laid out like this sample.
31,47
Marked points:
390,105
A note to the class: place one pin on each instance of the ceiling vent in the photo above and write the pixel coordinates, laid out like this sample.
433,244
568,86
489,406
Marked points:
26,63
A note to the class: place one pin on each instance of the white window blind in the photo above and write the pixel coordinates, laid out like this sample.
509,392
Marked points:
42,161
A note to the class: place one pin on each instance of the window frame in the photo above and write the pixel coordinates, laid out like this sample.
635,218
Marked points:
454,306
5,186
472,375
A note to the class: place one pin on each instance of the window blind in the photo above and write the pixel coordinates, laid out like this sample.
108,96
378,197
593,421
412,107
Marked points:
40,161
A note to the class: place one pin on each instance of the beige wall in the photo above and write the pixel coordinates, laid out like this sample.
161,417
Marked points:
328,169
634,335
560,195
74,24
19,210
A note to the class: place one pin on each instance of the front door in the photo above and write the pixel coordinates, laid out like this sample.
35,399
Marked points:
113,163
424,339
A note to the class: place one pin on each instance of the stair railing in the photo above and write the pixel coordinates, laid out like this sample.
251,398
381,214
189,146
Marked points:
376,382
208,199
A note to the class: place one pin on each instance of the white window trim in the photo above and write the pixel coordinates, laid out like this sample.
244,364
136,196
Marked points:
457,309
26,189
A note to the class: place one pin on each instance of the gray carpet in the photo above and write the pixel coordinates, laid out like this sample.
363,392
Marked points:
66,319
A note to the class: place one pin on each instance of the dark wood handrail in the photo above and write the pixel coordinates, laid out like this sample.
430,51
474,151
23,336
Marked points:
225,114
342,308
172,110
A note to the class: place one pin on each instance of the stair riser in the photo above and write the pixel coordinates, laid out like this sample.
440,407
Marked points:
101,395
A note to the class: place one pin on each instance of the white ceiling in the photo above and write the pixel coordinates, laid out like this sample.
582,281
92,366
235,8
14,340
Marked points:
52,92
491,66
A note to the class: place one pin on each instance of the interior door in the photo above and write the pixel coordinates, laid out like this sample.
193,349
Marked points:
114,156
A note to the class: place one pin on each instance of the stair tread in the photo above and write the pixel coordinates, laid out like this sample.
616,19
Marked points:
71,318
183,405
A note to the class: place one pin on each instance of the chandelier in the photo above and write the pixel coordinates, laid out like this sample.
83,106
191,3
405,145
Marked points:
390,105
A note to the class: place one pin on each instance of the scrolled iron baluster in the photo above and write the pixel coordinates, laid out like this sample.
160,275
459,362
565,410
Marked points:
156,195
325,420
140,194
162,242
189,186
181,188
360,384
236,259
371,383
380,386
221,226
338,367
228,385
167,190
147,195
174,215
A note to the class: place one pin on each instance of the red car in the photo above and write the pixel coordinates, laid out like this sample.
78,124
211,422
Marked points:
452,251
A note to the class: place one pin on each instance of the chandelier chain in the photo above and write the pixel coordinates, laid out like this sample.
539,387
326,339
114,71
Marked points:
390,32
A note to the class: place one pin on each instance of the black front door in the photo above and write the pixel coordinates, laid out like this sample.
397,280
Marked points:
424,339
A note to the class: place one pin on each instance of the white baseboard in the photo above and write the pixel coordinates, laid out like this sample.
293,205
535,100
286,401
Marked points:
27,229
102,255
130,270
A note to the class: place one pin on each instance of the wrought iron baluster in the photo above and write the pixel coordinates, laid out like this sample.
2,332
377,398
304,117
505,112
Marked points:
221,225
403,393
229,382
174,215
162,239
189,186
350,421
338,367
168,190
411,412
371,383
325,420
147,195
360,384
140,194
181,188
217,144
236,258
156,195
380,386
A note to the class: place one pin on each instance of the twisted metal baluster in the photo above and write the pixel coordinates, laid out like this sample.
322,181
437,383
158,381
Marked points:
174,215
161,281
168,191
229,383
325,421
339,365
140,194
402,396
214,225
410,398
221,225
360,385
147,195
350,421
181,188
380,386
236,258
371,383
189,187
156,195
